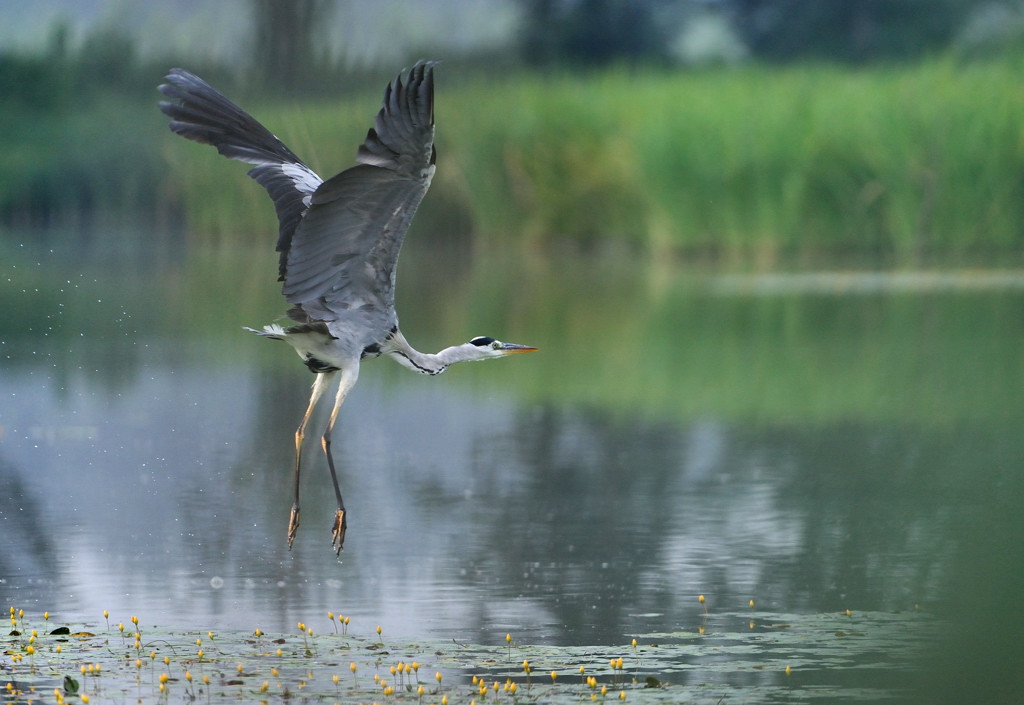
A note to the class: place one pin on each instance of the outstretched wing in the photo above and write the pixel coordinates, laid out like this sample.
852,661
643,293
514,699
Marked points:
202,114
343,254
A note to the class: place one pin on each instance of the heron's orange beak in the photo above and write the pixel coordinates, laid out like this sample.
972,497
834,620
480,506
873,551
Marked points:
509,348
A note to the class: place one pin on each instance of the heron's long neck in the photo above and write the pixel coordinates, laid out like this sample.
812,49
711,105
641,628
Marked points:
427,363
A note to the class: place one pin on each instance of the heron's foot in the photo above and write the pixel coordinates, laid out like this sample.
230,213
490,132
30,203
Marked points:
293,526
338,532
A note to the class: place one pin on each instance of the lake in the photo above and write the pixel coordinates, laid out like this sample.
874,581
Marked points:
814,442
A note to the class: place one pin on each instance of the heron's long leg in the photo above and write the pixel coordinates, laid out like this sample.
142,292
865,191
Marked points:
323,380
348,380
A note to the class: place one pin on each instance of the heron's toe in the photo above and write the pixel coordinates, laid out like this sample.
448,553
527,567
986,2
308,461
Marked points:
293,526
338,531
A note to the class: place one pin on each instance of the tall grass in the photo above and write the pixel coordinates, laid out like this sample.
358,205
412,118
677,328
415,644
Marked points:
751,164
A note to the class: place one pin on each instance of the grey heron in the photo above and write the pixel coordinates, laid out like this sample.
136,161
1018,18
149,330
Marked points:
338,240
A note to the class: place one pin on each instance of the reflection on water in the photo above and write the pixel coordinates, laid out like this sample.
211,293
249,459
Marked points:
145,452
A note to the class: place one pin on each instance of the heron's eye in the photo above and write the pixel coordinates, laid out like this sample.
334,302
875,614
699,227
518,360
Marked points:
496,345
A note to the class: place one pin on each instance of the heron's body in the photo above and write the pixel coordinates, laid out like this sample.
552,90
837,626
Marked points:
323,353
338,239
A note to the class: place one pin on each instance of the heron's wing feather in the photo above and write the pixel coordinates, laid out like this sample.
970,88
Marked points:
202,114
331,267
344,251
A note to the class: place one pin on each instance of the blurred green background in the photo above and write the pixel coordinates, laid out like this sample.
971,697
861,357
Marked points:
754,133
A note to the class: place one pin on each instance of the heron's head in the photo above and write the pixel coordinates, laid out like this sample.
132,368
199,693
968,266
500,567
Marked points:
484,348
480,347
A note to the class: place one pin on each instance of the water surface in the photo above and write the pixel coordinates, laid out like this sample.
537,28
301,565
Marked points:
814,448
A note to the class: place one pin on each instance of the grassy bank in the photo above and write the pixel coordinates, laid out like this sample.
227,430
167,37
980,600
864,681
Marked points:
751,164
71,165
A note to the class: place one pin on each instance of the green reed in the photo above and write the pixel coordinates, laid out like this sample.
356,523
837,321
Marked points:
750,164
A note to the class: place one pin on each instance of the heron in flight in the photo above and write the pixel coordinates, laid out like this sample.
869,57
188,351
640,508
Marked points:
338,240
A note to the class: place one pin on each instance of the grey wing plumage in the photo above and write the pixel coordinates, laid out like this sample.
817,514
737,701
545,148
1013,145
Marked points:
202,114
343,253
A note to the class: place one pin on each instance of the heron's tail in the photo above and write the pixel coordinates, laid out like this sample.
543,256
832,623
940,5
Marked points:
272,331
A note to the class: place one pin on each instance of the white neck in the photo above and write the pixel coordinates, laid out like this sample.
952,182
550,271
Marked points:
430,363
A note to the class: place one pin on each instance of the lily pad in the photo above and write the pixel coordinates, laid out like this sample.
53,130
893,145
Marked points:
802,658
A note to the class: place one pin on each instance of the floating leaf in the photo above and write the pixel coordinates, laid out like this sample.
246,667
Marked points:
665,667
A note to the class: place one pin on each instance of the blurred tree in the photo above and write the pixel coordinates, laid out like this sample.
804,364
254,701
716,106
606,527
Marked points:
848,30
591,31
58,40
286,48
29,84
108,57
